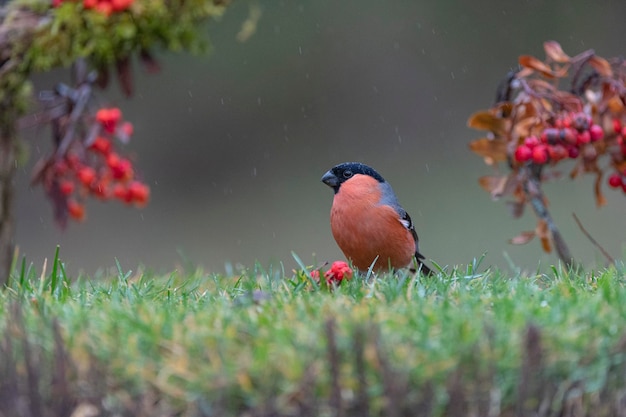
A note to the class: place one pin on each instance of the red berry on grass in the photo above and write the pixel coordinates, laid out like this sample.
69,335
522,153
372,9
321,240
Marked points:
338,271
523,153
120,5
615,180
90,4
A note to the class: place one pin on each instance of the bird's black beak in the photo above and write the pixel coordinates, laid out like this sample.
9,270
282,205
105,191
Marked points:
331,180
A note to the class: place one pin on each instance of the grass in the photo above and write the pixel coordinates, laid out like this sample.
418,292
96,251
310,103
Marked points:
272,343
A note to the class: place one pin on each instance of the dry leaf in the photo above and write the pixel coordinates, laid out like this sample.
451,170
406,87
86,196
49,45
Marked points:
601,65
523,238
555,52
537,65
485,120
543,232
615,104
490,148
498,186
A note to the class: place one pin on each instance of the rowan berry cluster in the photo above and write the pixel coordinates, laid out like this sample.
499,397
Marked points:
106,7
537,122
96,169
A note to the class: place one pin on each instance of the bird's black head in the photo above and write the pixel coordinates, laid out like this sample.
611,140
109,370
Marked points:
343,172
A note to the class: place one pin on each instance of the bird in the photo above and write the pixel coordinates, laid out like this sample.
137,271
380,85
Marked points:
368,223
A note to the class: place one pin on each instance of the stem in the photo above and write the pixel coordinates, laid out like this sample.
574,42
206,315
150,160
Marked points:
7,175
532,189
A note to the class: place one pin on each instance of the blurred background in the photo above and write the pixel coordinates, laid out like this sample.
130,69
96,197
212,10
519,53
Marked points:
233,144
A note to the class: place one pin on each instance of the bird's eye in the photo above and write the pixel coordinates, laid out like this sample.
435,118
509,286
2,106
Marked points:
347,174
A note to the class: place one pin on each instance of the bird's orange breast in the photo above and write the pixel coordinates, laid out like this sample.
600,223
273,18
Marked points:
366,230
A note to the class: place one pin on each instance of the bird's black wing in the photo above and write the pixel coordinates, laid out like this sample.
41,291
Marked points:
408,223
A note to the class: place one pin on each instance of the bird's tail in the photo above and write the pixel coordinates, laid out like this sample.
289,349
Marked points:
421,266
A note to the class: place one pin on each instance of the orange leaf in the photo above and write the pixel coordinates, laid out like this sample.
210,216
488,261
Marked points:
523,238
485,120
543,232
489,148
601,65
555,52
546,245
489,182
537,65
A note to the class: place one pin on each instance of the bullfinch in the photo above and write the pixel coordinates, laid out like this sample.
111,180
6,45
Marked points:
368,222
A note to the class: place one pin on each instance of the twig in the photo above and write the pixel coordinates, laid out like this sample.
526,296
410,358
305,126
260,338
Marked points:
593,241
532,189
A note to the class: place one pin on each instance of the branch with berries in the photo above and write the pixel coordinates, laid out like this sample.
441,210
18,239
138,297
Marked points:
560,109
97,39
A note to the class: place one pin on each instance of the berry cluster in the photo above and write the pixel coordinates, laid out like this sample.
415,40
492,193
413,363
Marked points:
106,7
564,137
573,134
537,122
338,271
95,169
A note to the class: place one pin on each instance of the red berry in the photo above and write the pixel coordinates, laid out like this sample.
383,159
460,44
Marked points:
557,152
120,5
66,187
101,145
583,137
531,141
523,153
315,275
86,175
569,135
127,128
76,210
121,192
615,180
105,8
123,170
338,271
540,154
108,118
100,189
624,131
139,193
90,4
581,122
573,152
60,168
596,132
550,135
617,125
